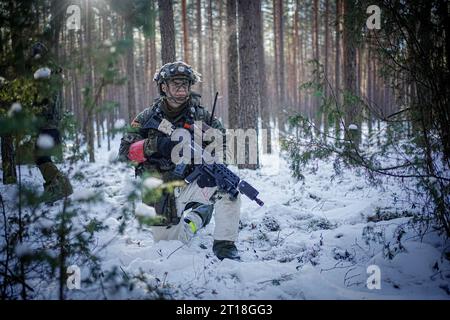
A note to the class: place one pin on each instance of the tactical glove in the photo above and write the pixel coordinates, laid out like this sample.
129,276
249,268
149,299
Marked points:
164,146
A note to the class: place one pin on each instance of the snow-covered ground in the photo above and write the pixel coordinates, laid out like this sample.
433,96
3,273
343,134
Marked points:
313,239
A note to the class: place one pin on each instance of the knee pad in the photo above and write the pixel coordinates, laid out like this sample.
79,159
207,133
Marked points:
205,211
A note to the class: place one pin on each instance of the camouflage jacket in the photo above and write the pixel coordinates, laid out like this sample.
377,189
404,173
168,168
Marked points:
191,111
41,97
48,95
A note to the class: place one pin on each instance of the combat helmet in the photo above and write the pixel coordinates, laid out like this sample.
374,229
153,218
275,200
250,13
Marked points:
175,70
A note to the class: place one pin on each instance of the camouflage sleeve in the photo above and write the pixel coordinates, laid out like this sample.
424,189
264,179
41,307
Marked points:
127,140
150,144
136,133
139,120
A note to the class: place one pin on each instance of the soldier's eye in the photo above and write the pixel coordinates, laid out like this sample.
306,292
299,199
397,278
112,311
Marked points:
179,84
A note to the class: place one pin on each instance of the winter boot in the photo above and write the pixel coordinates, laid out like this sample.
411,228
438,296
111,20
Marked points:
56,186
225,249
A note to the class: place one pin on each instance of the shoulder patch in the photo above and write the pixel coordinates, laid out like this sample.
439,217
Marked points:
135,124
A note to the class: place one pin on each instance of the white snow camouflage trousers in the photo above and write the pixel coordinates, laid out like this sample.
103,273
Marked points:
226,213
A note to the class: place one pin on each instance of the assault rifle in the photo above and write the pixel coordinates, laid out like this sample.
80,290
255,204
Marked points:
217,173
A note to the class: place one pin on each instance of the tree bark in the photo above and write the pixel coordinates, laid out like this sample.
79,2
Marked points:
337,77
223,112
8,160
327,44
212,55
199,43
316,30
350,85
316,52
295,55
264,105
152,40
89,94
131,96
232,66
185,32
277,58
281,69
249,74
167,28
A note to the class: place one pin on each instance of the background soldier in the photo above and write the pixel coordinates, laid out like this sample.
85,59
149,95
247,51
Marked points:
48,81
189,208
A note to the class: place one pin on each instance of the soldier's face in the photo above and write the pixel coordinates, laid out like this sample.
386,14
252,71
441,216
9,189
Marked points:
177,90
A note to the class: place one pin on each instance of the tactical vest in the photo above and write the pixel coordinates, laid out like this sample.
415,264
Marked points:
192,112
166,207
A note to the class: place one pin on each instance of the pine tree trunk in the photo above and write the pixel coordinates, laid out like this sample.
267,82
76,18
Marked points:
56,6
359,70
185,32
327,45
153,62
89,95
277,58
212,55
281,57
167,28
350,84
316,52
140,75
249,74
232,66
148,76
223,113
302,65
295,56
316,30
279,64
8,160
130,71
369,89
337,77
199,43
265,112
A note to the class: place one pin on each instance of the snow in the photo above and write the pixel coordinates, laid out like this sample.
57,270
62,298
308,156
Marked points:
84,194
15,108
23,249
119,124
45,223
152,183
42,73
313,239
45,141
112,157
144,210
352,127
